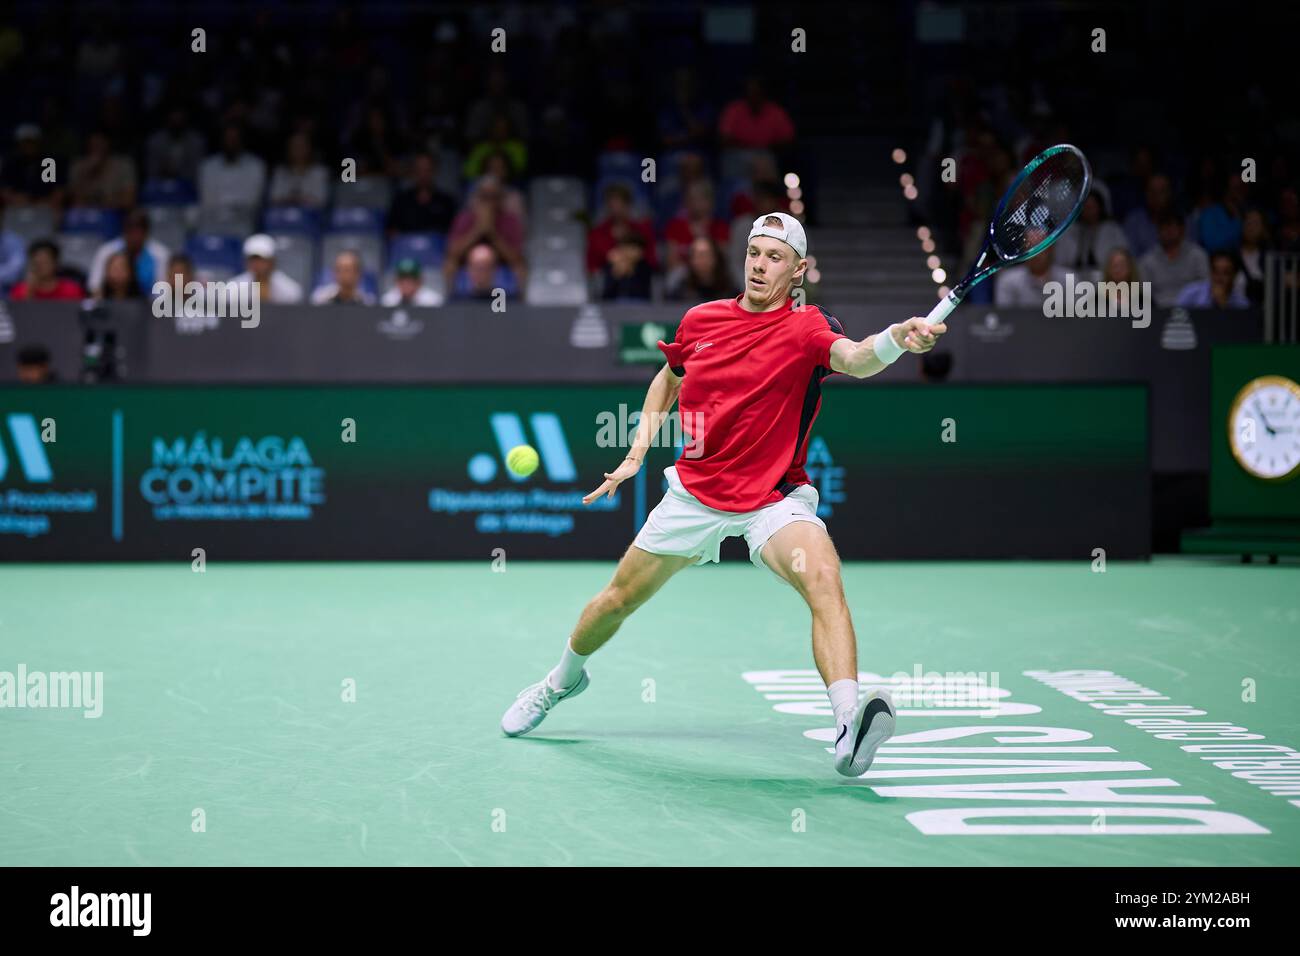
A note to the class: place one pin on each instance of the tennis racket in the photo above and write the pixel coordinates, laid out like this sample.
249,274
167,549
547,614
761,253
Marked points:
1039,206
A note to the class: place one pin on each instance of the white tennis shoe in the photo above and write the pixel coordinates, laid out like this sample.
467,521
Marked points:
535,702
858,737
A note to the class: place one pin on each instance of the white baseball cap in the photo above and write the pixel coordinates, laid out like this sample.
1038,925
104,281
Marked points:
260,245
790,231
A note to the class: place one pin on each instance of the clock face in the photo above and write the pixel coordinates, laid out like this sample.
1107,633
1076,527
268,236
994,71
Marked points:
1264,428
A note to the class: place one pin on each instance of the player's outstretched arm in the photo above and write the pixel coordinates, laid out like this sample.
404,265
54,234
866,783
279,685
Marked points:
874,354
659,400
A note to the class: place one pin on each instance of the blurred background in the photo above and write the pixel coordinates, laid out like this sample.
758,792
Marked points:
427,211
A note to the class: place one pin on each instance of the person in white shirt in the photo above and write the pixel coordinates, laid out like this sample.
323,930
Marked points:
346,288
409,288
1084,247
147,257
299,181
232,177
1022,285
259,258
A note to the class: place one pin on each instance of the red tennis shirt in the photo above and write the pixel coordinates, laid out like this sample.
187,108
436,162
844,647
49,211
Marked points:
750,392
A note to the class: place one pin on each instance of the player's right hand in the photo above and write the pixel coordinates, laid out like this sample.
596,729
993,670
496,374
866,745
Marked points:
626,469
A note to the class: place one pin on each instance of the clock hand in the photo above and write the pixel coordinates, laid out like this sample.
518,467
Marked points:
1267,427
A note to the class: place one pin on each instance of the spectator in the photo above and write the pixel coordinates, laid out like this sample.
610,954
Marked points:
34,365
695,220
180,272
754,121
1120,267
1254,243
232,177
512,200
13,254
101,177
422,207
375,145
22,177
618,222
500,139
119,281
409,288
479,278
626,274
1140,224
146,257
1219,227
259,261
1288,220
175,151
346,288
299,180
1174,263
485,220
1022,285
703,278
1220,291
495,102
686,122
1083,248
43,282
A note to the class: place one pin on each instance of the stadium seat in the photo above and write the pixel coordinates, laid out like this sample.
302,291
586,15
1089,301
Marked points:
556,286
291,220
168,192
236,221
169,225
620,164
355,219
216,257
368,192
105,223
558,236
30,222
367,245
77,249
504,279
426,248
565,194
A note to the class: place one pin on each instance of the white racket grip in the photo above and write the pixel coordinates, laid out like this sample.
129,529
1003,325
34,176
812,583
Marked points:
942,310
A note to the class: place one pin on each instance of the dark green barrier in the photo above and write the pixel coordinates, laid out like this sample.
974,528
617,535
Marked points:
268,472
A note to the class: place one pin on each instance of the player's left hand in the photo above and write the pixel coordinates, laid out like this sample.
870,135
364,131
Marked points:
918,336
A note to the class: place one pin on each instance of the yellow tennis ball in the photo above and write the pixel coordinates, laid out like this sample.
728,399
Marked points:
522,460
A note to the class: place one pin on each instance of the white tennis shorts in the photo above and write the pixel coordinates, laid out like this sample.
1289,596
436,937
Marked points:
683,525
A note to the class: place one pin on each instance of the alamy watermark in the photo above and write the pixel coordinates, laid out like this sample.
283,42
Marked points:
619,429
82,690
198,300
1086,299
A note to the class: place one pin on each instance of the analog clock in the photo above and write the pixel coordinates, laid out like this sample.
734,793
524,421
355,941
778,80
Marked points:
1264,428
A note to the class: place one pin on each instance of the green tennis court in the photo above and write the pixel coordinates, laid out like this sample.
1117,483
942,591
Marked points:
347,714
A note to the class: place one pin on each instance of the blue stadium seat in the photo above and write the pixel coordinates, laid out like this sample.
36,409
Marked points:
355,219
618,164
504,279
88,219
291,220
218,256
426,248
168,192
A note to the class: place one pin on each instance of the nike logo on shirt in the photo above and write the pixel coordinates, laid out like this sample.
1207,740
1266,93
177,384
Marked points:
702,345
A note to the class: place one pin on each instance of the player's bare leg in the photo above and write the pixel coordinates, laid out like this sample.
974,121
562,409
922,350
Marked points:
638,576
803,554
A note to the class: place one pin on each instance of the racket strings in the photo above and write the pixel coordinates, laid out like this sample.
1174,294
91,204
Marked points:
1041,206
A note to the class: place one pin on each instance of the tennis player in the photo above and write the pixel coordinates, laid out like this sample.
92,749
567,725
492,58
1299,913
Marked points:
746,373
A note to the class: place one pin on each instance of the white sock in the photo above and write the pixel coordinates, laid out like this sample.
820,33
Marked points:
844,699
567,672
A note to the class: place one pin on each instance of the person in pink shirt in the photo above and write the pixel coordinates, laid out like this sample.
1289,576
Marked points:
696,220
486,220
618,222
754,121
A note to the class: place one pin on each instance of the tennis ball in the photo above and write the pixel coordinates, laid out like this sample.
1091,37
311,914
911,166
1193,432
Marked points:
522,460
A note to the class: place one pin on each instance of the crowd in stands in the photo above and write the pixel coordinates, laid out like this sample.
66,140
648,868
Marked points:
419,187
1199,235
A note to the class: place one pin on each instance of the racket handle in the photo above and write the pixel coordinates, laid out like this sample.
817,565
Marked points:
942,310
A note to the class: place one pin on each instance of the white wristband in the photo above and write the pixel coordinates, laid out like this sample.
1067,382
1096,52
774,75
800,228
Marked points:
886,349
